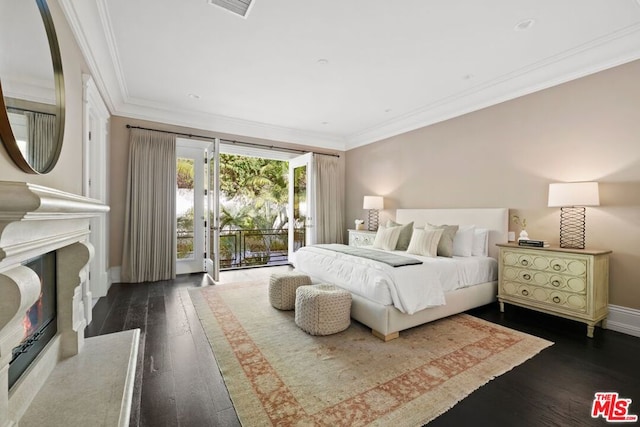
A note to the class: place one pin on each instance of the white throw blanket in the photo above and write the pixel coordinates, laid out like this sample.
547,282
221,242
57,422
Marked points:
409,288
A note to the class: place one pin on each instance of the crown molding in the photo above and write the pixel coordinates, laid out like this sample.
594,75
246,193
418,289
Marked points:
606,52
99,74
597,55
110,39
230,125
111,84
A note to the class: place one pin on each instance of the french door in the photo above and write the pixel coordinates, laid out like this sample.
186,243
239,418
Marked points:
190,207
212,230
301,206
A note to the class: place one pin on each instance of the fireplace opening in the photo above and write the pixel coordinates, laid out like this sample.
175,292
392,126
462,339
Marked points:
39,322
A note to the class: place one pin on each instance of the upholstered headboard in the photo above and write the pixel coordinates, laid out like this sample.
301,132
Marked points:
496,220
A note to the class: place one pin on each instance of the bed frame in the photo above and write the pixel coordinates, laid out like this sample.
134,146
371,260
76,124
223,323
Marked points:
386,321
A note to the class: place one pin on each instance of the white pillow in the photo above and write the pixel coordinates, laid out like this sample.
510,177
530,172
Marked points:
463,240
387,238
425,242
480,242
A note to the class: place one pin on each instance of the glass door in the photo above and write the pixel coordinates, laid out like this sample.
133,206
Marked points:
190,208
212,261
301,207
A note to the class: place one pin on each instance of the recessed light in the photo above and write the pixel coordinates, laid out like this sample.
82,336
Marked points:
524,25
193,96
388,110
325,123
323,61
467,77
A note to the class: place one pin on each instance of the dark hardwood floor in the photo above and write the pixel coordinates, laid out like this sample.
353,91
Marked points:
178,382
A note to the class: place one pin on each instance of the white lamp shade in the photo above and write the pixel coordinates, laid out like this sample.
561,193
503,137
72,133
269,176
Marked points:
573,194
373,202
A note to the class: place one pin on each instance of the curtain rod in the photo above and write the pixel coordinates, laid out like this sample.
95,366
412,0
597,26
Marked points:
26,110
249,144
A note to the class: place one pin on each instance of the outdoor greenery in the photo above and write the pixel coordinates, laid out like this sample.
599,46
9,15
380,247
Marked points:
184,168
254,195
253,217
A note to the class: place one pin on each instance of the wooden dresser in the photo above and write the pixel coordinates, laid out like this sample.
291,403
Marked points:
571,283
361,237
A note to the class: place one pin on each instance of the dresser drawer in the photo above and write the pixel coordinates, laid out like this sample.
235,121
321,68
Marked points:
543,262
555,299
563,282
572,283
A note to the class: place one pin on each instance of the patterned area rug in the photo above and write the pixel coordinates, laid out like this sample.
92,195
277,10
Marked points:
279,375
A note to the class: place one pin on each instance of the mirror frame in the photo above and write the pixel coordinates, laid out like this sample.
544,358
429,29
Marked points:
6,133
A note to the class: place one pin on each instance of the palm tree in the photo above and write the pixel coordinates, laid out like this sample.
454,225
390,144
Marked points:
260,186
241,218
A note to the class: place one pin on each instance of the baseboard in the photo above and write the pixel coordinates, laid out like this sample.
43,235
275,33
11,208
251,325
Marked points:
114,275
624,319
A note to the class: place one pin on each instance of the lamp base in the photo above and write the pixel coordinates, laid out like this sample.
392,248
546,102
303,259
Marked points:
372,220
572,227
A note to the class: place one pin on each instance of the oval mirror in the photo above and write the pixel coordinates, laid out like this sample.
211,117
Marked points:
31,85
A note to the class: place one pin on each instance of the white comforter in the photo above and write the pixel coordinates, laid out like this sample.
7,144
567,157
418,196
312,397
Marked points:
409,288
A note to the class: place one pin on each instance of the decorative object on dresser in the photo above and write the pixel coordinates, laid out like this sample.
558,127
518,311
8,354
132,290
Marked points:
571,198
360,224
570,283
522,222
361,237
373,204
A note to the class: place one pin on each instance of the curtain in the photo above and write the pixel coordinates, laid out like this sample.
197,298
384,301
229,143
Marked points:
149,249
41,128
329,179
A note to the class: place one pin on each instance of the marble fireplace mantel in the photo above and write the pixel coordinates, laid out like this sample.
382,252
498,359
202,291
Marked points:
35,220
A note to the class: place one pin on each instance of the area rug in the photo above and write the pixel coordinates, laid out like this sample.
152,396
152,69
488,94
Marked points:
277,374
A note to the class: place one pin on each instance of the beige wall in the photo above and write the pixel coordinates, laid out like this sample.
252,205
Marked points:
67,175
506,155
119,162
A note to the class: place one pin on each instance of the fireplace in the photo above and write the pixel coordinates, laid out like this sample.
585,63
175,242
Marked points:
45,301
39,322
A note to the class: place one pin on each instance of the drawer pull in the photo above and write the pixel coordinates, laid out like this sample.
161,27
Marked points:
556,299
556,267
526,276
555,283
524,262
525,292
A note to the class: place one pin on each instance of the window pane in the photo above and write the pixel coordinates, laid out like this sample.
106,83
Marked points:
184,208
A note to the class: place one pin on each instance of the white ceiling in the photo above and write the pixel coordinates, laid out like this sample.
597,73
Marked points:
390,66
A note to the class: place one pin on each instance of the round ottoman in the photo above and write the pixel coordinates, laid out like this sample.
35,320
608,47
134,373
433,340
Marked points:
282,288
322,309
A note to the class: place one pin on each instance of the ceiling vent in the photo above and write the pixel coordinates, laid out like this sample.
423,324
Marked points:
239,7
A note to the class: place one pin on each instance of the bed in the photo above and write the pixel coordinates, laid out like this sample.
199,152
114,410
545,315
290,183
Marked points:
375,299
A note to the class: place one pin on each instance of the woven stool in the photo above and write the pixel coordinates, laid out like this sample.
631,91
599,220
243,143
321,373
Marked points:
282,289
322,309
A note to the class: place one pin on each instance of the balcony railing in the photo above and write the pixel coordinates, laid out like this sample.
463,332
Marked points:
256,247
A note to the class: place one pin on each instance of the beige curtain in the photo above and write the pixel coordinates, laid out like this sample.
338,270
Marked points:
329,178
149,250
41,128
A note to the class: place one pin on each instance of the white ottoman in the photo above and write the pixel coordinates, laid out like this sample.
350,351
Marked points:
322,309
282,288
